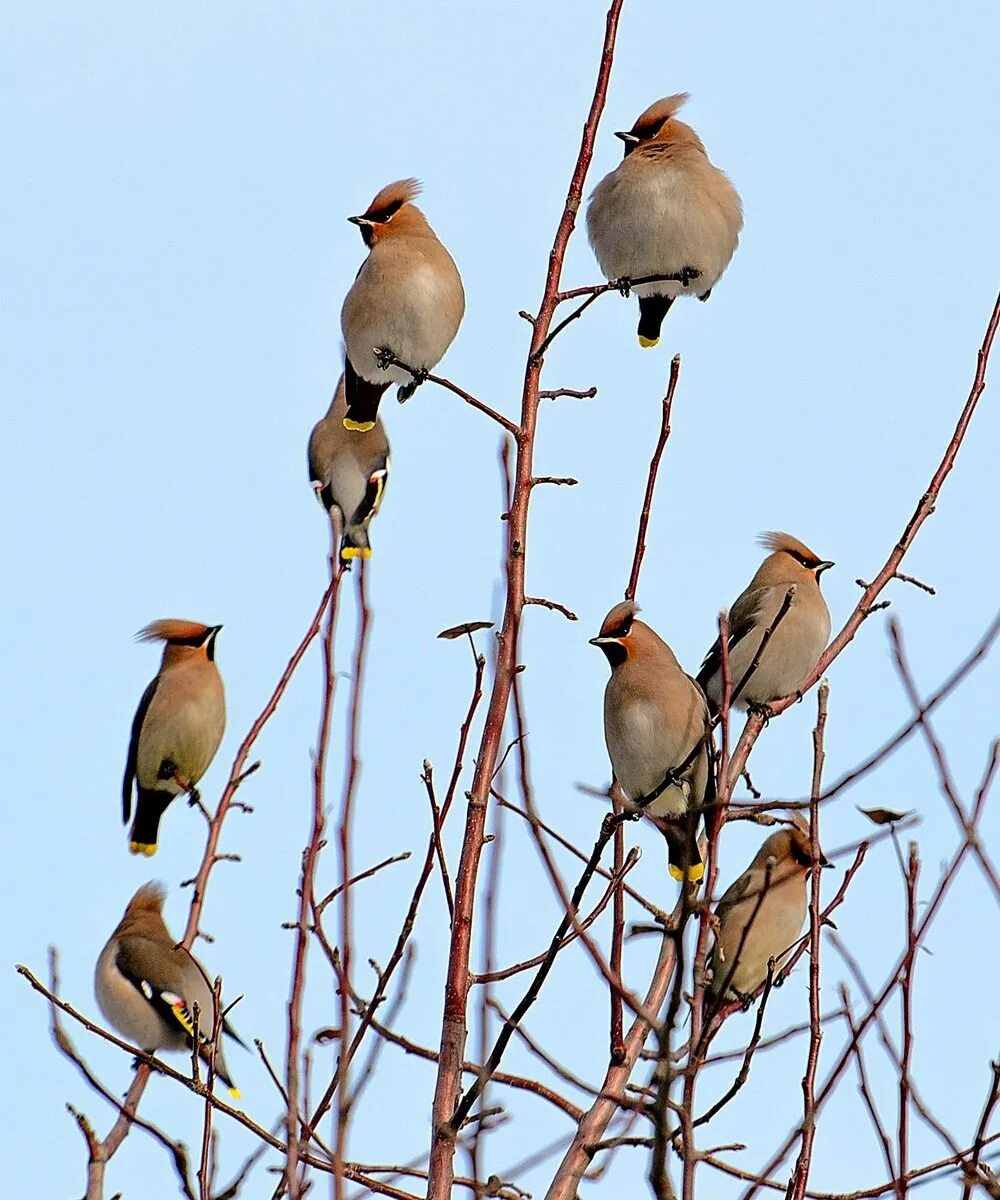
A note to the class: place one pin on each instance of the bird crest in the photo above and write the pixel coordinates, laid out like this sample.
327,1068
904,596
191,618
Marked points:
149,898
391,199
618,622
172,630
784,543
648,123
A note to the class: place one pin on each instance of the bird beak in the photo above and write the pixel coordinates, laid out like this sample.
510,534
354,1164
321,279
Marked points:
824,861
359,221
629,139
604,641
823,566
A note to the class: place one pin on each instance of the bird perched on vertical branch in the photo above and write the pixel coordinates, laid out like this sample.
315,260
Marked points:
349,472
797,641
761,914
177,727
664,210
147,986
656,727
406,303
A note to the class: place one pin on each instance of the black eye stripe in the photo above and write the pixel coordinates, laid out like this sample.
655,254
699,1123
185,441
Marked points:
384,214
805,561
620,631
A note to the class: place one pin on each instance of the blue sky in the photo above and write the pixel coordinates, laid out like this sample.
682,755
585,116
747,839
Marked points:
175,251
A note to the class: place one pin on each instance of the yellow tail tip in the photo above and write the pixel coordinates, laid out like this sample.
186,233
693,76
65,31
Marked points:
234,1093
147,848
356,552
645,342
694,873
358,426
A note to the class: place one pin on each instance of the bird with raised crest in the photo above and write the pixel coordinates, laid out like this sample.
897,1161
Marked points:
795,643
147,986
404,307
177,727
665,210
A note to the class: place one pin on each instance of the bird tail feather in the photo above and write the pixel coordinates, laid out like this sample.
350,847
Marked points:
355,544
150,806
652,310
362,400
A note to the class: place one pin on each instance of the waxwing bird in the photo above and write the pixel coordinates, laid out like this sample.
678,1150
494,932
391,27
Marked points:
147,986
664,210
407,302
349,472
177,727
656,726
796,643
761,914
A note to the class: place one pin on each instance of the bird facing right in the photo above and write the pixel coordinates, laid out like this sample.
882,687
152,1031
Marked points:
761,914
664,210
407,300
177,727
348,472
656,727
147,986
797,641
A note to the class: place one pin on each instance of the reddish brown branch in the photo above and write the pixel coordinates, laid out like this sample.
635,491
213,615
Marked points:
864,1087
800,1175
972,1168
654,467
906,994
945,778
310,858
456,988
353,758
871,593
410,918
237,773
390,360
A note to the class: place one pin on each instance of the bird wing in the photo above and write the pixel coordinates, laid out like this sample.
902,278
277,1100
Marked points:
742,620
152,971
133,748
373,494
733,894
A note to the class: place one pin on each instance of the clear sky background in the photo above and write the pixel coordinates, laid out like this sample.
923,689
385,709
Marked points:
175,252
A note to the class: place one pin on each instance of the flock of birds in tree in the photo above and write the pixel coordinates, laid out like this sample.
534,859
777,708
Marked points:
666,216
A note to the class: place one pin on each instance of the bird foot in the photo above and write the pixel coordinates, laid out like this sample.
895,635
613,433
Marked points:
671,779
764,711
168,769
624,286
384,357
745,1000
194,796
688,275
408,389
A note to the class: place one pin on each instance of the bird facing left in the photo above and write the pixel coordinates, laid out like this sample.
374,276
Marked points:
177,727
148,987
658,735
407,301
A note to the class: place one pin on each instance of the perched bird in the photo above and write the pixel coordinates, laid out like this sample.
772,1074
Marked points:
147,986
664,210
407,302
797,642
349,472
656,727
177,727
761,915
